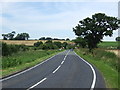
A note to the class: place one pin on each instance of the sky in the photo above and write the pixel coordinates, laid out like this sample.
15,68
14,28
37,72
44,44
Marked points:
51,18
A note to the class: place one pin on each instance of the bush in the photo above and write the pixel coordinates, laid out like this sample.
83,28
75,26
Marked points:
70,46
24,57
48,46
10,49
37,44
64,44
58,44
43,46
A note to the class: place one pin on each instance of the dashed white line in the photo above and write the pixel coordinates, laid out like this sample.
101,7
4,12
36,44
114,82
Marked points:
56,69
52,72
94,74
37,84
62,62
64,58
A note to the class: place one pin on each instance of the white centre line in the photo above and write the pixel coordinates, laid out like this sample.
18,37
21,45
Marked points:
53,72
62,62
56,69
37,84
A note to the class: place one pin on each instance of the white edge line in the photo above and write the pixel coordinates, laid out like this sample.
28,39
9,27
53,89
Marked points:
28,69
37,83
94,74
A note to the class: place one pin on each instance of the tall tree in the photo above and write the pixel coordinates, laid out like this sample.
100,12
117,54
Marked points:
80,42
5,36
22,36
11,35
95,28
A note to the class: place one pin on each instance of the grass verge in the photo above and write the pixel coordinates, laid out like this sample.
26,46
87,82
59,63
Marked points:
27,59
104,64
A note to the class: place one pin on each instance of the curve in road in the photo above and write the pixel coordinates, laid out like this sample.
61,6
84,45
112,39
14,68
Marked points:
64,70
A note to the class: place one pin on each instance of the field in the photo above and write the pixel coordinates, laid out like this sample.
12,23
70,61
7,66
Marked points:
28,42
111,46
108,44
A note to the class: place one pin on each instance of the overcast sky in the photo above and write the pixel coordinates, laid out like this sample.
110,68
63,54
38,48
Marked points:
52,19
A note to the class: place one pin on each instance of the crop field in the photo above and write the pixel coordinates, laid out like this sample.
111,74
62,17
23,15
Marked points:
108,44
29,42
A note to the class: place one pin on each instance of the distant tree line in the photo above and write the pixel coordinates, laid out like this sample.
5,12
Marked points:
49,38
25,36
19,36
9,49
52,45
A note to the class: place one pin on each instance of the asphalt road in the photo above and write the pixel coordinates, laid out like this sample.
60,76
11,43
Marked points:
64,70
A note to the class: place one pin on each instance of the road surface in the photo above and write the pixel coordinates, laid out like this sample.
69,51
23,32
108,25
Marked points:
64,70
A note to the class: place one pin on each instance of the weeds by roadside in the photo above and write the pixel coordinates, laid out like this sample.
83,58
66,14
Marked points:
23,60
106,62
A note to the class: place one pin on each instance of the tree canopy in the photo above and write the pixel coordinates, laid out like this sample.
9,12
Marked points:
94,29
22,36
80,42
10,36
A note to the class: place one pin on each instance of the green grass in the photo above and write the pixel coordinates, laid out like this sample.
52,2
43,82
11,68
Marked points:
24,60
108,44
108,66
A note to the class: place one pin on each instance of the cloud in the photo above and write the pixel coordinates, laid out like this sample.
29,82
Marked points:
59,0
50,19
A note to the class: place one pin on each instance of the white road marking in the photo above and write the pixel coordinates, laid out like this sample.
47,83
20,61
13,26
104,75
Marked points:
94,74
28,69
64,58
56,69
62,62
37,84
46,78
